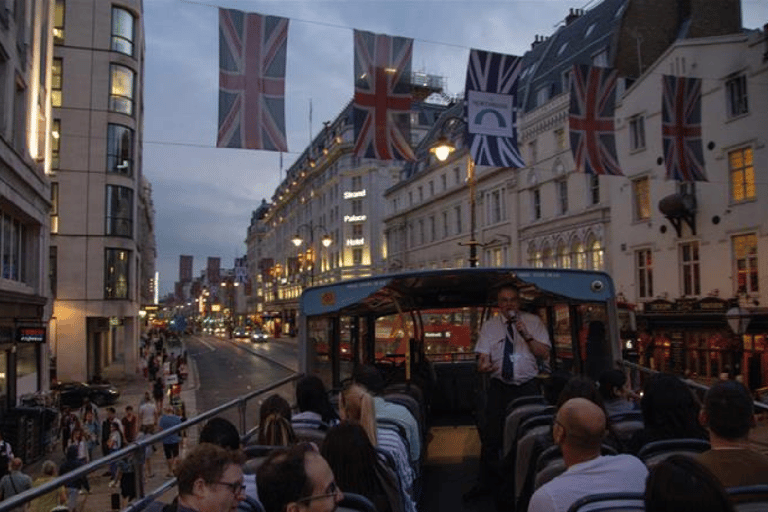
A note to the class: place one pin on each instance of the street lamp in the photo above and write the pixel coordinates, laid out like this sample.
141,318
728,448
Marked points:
325,240
738,320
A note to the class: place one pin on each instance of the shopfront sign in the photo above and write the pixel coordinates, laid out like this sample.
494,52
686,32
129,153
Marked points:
355,218
30,335
706,305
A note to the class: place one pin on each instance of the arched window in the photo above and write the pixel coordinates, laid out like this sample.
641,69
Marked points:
534,257
563,259
595,253
578,255
546,257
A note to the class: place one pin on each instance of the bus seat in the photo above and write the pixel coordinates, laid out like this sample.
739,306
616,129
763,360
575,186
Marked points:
525,400
532,442
456,382
610,502
309,423
410,403
409,388
355,503
513,420
625,428
654,452
555,468
312,435
749,498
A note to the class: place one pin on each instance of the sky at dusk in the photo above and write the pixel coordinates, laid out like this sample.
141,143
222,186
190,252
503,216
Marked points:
204,196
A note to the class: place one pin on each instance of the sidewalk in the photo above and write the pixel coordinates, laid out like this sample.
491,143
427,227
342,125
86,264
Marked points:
132,386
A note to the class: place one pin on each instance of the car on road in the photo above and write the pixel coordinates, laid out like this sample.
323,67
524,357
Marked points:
241,333
73,393
258,335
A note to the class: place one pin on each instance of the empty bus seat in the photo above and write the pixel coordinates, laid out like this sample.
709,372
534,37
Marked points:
749,498
312,435
656,451
610,502
625,425
525,400
457,384
514,420
533,436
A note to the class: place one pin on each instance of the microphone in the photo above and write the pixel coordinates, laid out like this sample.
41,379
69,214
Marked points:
512,316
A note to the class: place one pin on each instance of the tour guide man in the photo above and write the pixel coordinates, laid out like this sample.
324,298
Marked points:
508,345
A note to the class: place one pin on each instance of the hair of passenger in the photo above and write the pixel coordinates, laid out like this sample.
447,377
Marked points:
356,405
273,404
611,381
282,478
206,461
352,458
670,410
554,385
311,395
369,377
729,410
276,430
680,484
580,387
220,432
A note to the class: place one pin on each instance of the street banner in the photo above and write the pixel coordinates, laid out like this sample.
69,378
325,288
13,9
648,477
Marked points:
382,102
252,52
681,128
593,101
489,108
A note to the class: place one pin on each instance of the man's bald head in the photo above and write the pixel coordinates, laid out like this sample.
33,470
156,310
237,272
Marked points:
583,423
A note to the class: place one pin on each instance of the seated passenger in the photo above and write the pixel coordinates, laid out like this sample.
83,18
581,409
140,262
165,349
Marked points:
680,484
616,393
210,478
728,414
370,378
315,410
297,479
670,411
359,469
275,422
579,429
356,405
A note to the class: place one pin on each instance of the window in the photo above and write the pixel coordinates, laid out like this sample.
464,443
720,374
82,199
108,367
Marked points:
54,207
745,256
432,229
535,204
410,198
689,263
600,59
563,259
559,135
578,256
641,191
431,188
445,225
595,256
594,188
496,257
532,153
566,80
55,143
119,149
122,31
420,190
546,257
357,183
357,207
20,117
644,273
357,230
119,211
53,269
637,133
444,181
459,227
736,91
357,256
121,89
17,255
456,176
562,195
542,95
58,22
422,234
57,73
742,175
495,207
116,276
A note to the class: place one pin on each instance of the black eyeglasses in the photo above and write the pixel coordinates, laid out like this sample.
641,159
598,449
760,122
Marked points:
331,490
235,487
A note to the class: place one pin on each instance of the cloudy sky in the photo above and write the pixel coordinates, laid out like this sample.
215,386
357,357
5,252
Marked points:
204,196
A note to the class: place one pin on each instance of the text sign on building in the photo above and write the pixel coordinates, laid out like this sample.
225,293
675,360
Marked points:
490,113
355,218
30,335
355,242
354,195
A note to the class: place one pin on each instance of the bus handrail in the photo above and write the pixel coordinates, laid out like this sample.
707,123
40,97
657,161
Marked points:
30,494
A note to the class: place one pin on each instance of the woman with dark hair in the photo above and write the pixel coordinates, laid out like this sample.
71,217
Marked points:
315,409
680,484
670,411
614,388
358,468
275,422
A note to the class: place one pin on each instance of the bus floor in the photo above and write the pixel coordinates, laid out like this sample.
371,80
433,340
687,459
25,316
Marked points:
450,469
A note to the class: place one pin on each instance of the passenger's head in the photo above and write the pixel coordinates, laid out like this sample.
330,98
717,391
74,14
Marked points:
210,479
613,384
352,458
49,468
580,387
296,479
275,430
312,396
369,377
728,410
670,409
680,484
356,405
16,464
275,404
579,429
220,432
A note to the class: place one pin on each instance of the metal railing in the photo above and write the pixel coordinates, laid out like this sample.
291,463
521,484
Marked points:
135,448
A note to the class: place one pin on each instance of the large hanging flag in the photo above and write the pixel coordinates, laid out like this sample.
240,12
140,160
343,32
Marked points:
382,105
681,128
489,107
252,51
593,100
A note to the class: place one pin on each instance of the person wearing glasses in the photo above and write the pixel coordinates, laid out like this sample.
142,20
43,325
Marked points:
297,479
210,479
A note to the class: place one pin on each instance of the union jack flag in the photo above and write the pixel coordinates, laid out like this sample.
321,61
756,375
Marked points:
681,128
489,108
593,100
382,106
252,51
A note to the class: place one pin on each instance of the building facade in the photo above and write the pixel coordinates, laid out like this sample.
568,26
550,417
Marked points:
97,183
25,198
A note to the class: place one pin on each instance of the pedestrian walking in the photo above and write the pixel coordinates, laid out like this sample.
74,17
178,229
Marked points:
158,390
73,486
172,441
69,421
115,442
47,502
130,425
91,432
14,483
6,456
148,413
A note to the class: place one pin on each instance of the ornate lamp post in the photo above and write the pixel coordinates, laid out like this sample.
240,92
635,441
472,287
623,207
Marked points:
325,240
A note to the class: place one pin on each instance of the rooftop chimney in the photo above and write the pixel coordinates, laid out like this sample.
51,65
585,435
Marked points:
573,14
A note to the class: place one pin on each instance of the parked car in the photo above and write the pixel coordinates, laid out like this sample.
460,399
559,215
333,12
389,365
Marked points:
73,393
258,335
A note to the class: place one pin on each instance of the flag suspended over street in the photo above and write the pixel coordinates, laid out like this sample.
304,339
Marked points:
382,104
681,128
593,100
489,107
252,50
